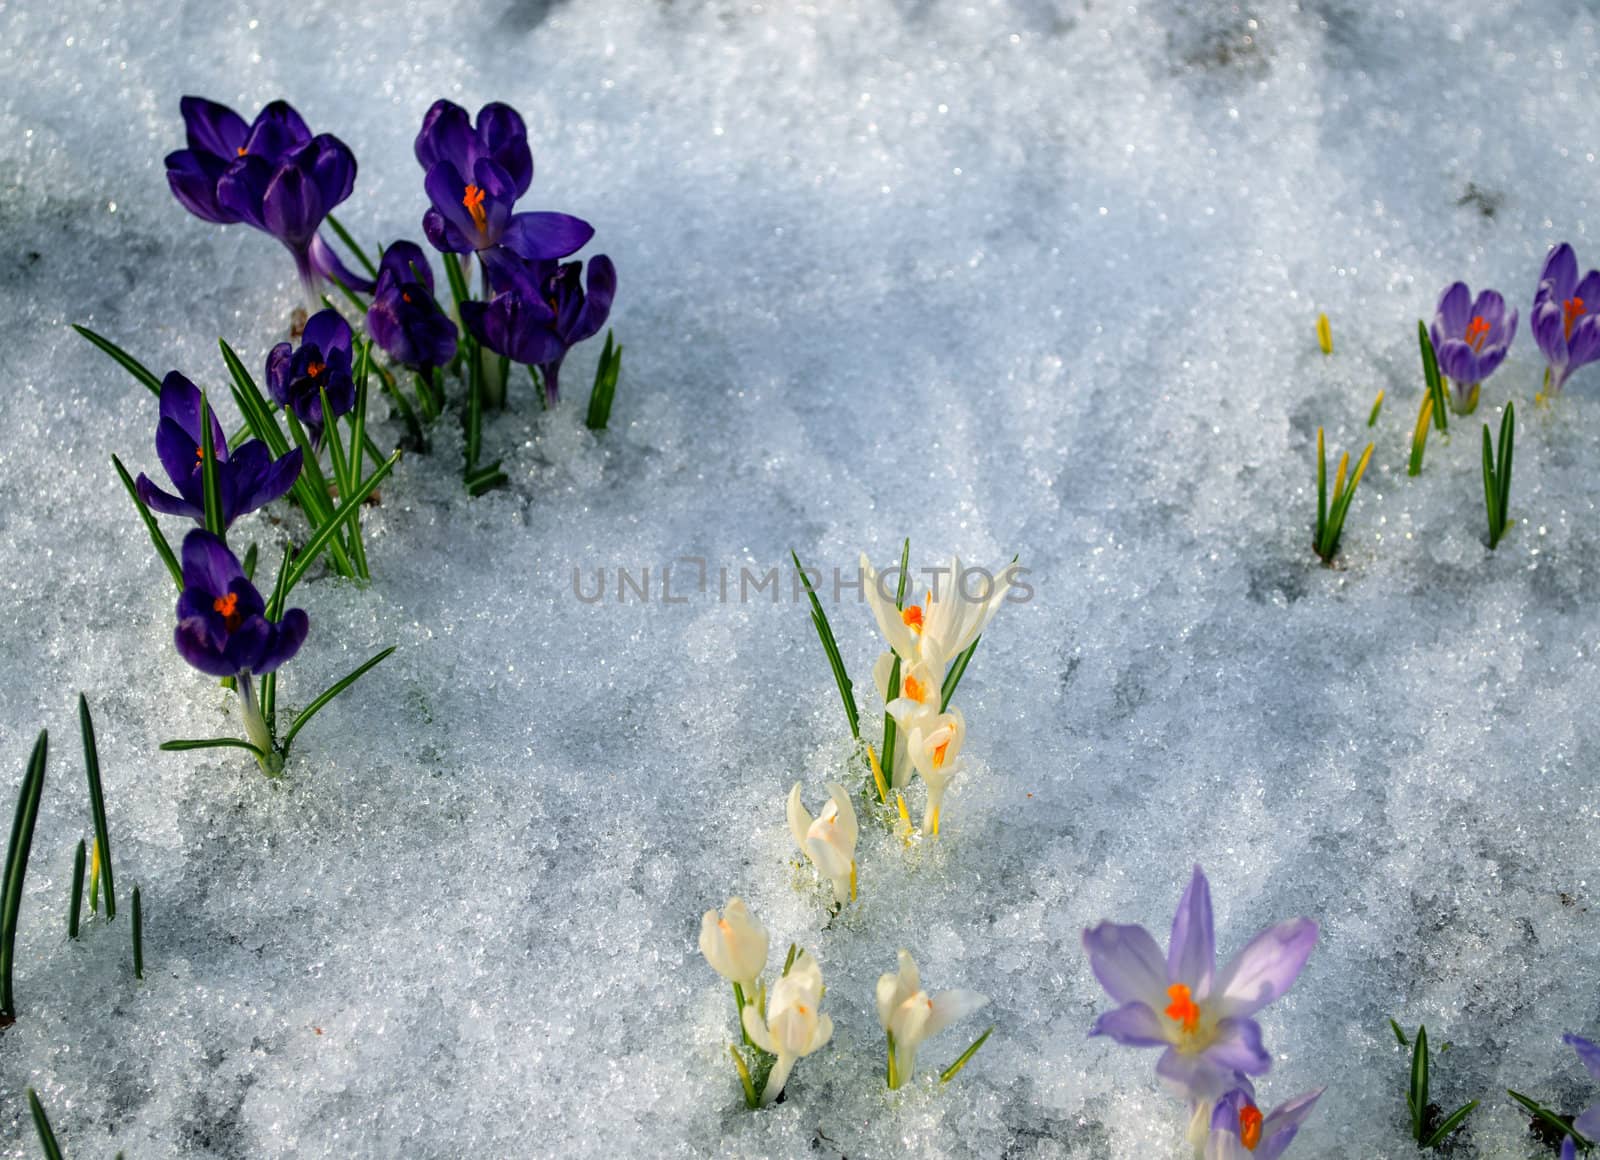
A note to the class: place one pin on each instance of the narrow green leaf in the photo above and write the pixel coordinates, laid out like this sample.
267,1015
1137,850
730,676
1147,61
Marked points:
97,803
1430,374
75,904
329,694
1508,434
343,479
330,518
350,244
251,555
123,359
28,795
788,963
957,670
1400,1036
181,744
163,549
950,1072
1322,490
275,601
1418,1095
819,620
208,472
304,558
41,1124
1377,406
253,404
138,934
1559,1124
892,1078
605,385
485,479
1491,489
750,1100
1451,1123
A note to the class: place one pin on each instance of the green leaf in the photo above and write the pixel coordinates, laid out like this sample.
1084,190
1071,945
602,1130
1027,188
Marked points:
1400,1036
41,1124
1322,490
892,1078
750,1100
819,621
1491,489
1451,1123
1559,1124
1508,433
123,359
183,744
350,244
75,903
253,404
163,549
950,1072
208,472
1417,1096
605,385
138,934
485,479
21,844
788,963
1430,374
97,803
347,508
251,555
344,480
329,694
957,670
1377,406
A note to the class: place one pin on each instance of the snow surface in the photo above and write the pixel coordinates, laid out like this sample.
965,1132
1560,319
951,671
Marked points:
1036,278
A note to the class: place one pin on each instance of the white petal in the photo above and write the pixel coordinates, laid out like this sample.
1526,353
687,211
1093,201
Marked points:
799,819
756,1028
847,827
952,1006
823,1033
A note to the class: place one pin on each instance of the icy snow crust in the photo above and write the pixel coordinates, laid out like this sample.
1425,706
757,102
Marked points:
1036,279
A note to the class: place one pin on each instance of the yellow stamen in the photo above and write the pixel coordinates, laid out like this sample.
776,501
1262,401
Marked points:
1324,334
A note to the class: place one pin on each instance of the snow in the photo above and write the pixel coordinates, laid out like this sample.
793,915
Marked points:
1037,278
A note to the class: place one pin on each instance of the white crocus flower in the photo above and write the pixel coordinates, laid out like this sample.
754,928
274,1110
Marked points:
829,839
962,609
934,746
735,944
909,1015
917,703
902,628
793,1025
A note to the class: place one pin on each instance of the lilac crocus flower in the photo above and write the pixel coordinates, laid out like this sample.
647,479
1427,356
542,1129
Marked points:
448,134
1566,316
405,319
1470,337
247,479
542,312
1588,1122
1182,1003
222,629
297,378
272,174
1240,1132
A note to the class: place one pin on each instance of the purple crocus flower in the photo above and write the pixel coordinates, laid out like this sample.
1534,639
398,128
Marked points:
1240,1132
1588,1122
1182,1003
448,134
1470,337
247,479
542,311
222,629
1566,316
297,378
272,174
472,214
405,319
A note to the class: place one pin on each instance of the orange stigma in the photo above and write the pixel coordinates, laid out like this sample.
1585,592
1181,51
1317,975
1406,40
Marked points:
1250,1126
473,200
241,151
404,297
1183,1008
913,688
1571,310
1477,333
199,455
314,368
228,608
938,753
912,618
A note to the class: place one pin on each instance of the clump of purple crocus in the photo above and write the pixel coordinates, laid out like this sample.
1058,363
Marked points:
272,174
1183,1004
1239,1130
542,311
223,630
475,174
247,479
1470,339
299,378
1566,317
405,319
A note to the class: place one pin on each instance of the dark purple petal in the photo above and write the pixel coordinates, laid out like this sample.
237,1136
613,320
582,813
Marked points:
277,132
1588,291
503,137
247,643
179,454
243,188
1192,953
1127,962
407,262
292,208
273,481
1583,346
280,367
1236,1046
207,563
1458,361
543,236
1561,271
1225,1115
1489,306
446,135
1489,361
1132,1025
1549,332
212,128
597,302
159,501
1453,312
333,168
285,640
452,228
193,178
327,331
195,645
328,263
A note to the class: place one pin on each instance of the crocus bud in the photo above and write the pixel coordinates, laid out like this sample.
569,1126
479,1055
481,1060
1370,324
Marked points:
934,746
910,1015
793,1026
829,839
735,944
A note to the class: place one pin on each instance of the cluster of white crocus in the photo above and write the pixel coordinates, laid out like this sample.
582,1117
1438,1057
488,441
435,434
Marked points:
829,839
926,639
787,1025
909,1015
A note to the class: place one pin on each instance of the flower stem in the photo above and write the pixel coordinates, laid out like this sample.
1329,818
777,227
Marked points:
255,727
